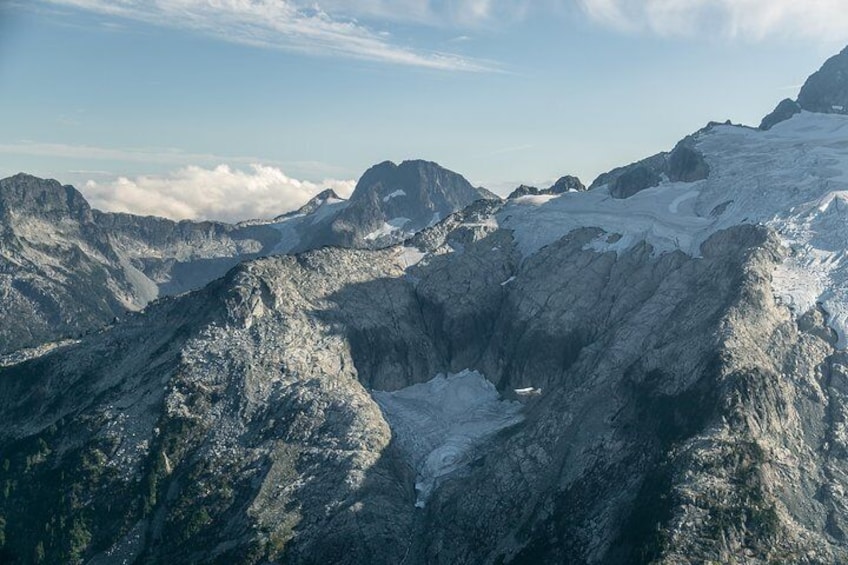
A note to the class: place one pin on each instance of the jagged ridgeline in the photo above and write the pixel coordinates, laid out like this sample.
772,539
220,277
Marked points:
66,270
649,371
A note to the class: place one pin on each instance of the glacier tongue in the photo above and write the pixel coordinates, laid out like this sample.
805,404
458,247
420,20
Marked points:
438,424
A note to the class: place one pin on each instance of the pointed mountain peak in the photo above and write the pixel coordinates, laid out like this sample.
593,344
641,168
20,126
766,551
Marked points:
323,197
326,196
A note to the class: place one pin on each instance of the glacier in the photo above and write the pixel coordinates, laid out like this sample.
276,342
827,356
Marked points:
439,423
792,178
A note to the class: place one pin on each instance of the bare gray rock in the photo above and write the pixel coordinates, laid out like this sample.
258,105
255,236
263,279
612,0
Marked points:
826,91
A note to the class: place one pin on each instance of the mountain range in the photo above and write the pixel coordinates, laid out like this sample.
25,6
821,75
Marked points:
66,269
652,370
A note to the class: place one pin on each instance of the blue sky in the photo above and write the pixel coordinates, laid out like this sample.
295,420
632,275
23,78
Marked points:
242,108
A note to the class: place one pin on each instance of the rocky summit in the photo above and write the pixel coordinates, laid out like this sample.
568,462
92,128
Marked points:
650,371
564,184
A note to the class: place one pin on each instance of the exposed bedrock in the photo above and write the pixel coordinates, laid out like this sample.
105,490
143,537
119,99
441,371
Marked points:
674,404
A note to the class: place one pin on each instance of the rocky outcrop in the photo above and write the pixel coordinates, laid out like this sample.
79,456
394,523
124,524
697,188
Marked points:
324,197
784,110
826,91
684,164
564,184
183,256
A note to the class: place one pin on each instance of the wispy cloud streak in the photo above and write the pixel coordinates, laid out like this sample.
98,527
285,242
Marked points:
746,19
292,25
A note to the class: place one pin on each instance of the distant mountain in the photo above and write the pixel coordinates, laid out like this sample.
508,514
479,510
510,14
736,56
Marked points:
391,202
66,269
564,184
59,273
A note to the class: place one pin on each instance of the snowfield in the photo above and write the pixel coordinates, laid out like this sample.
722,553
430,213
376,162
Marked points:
792,178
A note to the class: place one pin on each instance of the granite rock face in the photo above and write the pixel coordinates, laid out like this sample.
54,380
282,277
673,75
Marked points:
784,110
826,91
674,401
392,202
59,273
683,164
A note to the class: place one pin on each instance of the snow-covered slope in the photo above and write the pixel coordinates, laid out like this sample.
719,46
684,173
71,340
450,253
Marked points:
792,178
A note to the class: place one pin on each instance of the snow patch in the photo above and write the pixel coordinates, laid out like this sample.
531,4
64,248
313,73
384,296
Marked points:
388,229
440,423
394,194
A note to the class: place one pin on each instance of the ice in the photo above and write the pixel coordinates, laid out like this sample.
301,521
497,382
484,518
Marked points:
394,194
440,423
388,228
289,236
793,178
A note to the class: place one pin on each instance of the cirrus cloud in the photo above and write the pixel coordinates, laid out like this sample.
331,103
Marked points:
292,25
220,193
751,19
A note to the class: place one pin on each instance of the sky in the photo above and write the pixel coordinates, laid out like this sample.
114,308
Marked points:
237,109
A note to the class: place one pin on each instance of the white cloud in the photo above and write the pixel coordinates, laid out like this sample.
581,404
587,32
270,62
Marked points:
297,25
220,193
749,19
439,13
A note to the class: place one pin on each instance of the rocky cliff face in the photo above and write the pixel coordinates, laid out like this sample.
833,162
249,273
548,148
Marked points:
824,92
684,164
59,274
183,256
